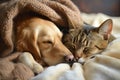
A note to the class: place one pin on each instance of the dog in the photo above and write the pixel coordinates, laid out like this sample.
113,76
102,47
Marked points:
42,39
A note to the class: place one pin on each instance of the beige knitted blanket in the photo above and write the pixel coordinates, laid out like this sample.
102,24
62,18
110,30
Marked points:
58,11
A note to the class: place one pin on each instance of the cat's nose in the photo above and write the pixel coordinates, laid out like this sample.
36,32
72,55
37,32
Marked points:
69,58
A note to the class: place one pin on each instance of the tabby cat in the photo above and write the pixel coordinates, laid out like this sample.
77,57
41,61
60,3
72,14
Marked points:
86,42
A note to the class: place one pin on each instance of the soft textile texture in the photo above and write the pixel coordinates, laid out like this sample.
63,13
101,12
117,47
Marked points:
58,11
14,71
102,68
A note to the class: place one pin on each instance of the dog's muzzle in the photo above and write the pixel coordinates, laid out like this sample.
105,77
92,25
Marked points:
69,58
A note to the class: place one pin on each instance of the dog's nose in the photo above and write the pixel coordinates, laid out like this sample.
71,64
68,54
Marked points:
69,58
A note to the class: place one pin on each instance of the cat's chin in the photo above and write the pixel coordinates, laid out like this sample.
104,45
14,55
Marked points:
81,60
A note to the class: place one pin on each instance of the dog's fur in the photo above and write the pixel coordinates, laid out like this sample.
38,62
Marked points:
42,39
29,61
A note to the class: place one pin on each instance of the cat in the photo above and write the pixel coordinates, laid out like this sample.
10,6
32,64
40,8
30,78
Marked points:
89,40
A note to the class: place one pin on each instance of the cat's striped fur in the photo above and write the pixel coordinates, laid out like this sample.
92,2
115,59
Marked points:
88,41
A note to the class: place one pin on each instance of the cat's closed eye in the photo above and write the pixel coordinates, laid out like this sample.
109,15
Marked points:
86,50
99,47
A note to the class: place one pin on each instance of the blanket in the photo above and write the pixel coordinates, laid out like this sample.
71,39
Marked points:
57,11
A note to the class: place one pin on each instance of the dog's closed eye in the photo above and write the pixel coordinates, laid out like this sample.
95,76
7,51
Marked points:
48,42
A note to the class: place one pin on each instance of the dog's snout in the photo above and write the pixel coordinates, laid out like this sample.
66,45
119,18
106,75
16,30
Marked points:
69,58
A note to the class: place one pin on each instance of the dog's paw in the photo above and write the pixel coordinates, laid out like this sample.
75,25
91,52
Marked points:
27,59
37,68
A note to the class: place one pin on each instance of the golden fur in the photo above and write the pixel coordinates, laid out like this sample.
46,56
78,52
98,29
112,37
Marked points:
42,39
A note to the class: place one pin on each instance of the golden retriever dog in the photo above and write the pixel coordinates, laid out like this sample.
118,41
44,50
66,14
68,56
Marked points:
42,39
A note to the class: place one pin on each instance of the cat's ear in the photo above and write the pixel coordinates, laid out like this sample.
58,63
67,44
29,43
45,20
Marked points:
106,28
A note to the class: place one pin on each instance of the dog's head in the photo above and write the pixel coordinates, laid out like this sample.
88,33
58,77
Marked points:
42,38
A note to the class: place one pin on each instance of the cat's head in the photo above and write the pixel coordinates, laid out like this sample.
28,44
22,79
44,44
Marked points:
88,41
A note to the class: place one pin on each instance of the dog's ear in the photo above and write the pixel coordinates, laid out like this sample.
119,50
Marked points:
27,42
33,46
